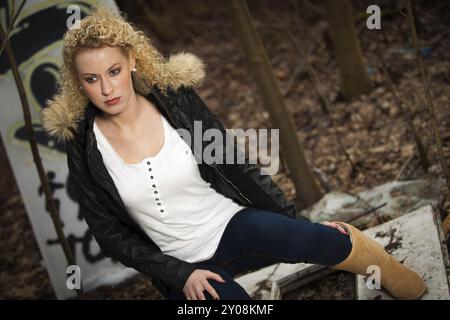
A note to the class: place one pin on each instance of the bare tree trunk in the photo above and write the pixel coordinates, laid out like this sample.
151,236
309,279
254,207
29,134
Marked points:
306,188
350,60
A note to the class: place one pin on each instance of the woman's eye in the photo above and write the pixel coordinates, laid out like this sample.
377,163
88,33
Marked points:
115,72
90,79
93,79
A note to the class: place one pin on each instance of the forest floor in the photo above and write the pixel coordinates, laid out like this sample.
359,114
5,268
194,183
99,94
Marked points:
372,127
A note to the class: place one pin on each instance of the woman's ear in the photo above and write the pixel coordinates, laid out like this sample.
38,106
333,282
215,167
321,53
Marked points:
78,82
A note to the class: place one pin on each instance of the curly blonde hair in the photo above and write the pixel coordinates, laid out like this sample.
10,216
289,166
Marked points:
106,27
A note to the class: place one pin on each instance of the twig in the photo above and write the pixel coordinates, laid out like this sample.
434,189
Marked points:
296,72
35,152
412,171
429,99
323,179
405,165
421,148
391,87
314,7
11,25
402,13
292,79
358,198
367,212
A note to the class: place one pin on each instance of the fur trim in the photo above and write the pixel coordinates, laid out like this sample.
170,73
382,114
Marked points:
185,69
58,118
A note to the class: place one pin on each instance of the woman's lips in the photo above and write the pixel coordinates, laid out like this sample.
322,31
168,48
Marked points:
113,101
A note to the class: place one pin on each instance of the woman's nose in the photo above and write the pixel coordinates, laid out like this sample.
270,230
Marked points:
106,87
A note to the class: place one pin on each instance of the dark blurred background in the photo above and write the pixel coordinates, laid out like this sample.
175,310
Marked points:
371,126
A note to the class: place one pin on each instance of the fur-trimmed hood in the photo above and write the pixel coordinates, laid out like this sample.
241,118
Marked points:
58,118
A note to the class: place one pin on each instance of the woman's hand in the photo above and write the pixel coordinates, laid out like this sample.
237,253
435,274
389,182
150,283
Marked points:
335,225
197,283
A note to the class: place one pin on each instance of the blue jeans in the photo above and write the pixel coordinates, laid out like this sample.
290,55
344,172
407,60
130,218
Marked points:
256,238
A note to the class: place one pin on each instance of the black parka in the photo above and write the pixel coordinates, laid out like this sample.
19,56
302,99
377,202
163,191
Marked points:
117,234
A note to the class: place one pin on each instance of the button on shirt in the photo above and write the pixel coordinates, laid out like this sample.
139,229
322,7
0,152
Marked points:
166,195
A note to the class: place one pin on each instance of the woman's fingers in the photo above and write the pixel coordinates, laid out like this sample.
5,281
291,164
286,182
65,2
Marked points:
199,292
335,225
342,229
329,224
198,282
216,277
211,290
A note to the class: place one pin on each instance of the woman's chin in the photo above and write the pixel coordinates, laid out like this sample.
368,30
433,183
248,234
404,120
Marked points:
111,110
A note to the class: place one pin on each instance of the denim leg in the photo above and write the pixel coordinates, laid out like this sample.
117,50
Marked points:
256,238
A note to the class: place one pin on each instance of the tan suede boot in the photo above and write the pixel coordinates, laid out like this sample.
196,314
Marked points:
400,281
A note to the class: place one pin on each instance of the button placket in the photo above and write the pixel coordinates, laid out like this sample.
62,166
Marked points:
155,191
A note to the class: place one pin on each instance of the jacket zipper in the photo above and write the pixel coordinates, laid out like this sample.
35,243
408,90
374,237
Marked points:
217,170
251,203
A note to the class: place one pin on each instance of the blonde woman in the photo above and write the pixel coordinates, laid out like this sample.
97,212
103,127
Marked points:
123,112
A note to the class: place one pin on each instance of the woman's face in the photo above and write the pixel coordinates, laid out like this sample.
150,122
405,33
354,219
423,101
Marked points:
105,76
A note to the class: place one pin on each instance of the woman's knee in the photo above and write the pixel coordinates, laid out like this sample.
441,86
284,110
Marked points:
229,290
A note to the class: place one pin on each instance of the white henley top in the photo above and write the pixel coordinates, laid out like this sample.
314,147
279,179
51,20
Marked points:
166,195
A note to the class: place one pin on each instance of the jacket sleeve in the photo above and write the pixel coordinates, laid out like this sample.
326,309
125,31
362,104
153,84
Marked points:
115,239
246,176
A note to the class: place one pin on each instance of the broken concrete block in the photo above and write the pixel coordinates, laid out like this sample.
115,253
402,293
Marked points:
306,274
259,284
394,199
414,240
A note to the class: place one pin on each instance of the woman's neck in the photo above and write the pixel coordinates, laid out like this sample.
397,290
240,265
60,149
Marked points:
127,120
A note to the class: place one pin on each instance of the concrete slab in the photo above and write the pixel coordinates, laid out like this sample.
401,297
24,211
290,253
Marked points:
392,199
413,239
285,276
